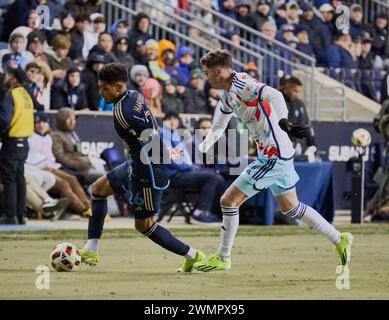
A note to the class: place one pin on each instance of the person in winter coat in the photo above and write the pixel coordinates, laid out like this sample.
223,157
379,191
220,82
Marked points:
261,14
69,92
171,100
195,98
379,33
104,47
139,30
185,60
83,6
338,54
58,58
120,51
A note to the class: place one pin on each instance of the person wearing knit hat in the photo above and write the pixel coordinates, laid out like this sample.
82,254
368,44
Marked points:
120,50
138,76
185,60
157,72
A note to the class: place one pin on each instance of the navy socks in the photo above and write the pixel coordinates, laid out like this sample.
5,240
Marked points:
96,221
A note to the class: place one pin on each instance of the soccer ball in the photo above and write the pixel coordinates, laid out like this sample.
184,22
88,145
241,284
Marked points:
361,138
65,257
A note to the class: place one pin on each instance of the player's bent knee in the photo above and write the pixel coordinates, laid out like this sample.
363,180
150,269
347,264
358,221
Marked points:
144,225
101,187
226,201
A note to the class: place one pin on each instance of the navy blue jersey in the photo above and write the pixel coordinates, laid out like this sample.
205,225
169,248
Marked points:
131,117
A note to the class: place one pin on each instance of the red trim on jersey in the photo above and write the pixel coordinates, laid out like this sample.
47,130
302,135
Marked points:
266,107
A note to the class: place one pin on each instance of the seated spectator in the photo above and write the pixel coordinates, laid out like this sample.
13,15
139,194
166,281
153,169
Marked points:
138,77
182,173
367,59
36,44
104,47
297,113
252,70
338,54
58,58
185,60
319,36
39,201
196,101
33,20
120,27
243,8
39,79
67,25
261,14
227,7
41,156
152,92
94,64
66,146
303,43
139,30
98,25
69,92
16,48
152,56
171,100
120,51
356,22
379,32
138,51
166,57
86,7
328,14
287,36
292,12
82,40
279,15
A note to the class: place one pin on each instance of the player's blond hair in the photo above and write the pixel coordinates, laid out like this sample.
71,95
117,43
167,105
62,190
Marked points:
219,58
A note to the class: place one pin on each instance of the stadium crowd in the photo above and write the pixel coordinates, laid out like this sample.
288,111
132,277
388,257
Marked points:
55,66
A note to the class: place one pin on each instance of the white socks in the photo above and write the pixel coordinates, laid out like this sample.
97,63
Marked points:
228,231
314,220
191,253
93,245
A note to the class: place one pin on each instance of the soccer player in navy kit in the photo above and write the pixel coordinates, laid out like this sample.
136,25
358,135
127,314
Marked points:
140,178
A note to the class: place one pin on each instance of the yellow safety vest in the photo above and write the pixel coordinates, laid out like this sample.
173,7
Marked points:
22,124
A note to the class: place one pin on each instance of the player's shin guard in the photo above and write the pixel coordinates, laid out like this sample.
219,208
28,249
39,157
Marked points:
314,220
96,221
228,231
165,239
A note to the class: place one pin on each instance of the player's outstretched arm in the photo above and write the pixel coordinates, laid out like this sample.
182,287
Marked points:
219,125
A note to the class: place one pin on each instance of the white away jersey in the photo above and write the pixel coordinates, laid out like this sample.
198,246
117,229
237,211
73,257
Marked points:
260,108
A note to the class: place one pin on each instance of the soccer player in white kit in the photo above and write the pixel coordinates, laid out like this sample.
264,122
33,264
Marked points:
264,112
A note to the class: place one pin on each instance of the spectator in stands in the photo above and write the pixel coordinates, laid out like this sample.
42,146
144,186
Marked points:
319,38
243,8
35,44
58,58
261,14
152,92
120,27
227,7
252,70
379,33
68,23
89,78
138,51
166,57
82,40
152,56
287,35
183,174
120,51
185,60
338,54
104,47
138,77
69,92
139,30
67,148
328,14
356,23
171,100
292,89
33,20
39,80
292,12
41,156
98,25
385,88
280,15
195,98
368,59
16,49
303,43
85,7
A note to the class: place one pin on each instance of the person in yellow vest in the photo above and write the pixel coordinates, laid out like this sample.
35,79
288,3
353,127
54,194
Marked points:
16,126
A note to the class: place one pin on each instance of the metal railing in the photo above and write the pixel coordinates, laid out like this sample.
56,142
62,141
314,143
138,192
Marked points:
371,8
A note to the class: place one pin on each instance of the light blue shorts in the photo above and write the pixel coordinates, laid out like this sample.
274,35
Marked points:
278,175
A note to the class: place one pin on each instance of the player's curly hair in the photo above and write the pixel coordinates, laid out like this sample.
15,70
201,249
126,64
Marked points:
113,73
220,58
